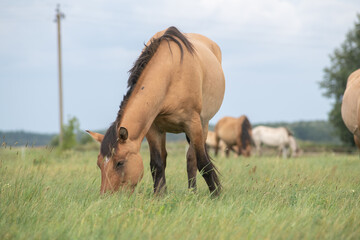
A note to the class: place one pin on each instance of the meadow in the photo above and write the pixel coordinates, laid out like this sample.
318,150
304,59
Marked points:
45,194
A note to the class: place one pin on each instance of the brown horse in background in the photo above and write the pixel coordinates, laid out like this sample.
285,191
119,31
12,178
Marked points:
211,144
350,108
234,132
176,85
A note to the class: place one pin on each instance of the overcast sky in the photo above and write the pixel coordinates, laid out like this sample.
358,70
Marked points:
274,53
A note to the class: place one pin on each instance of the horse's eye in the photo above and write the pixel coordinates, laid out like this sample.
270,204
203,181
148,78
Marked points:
119,164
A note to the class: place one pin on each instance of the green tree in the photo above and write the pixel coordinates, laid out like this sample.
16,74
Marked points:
70,132
344,61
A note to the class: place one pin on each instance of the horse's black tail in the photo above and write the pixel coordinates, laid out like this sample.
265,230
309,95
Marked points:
209,171
214,174
246,133
187,139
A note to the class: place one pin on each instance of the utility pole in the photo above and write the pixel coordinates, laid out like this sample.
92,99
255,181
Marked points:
59,16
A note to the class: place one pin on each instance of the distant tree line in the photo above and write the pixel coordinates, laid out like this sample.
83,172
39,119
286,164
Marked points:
22,138
314,131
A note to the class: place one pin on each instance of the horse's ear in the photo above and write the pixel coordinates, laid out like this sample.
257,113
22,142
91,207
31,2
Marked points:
97,136
123,133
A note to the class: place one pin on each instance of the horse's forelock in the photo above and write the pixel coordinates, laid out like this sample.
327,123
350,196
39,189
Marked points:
109,143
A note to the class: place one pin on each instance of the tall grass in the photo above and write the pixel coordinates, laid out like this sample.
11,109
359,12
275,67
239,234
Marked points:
44,195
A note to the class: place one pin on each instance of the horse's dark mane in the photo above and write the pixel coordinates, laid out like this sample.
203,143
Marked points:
245,132
172,34
289,132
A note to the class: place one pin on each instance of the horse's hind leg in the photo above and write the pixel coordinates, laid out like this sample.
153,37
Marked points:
258,148
158,154
357,141
239,146
191,168
283,151
197,134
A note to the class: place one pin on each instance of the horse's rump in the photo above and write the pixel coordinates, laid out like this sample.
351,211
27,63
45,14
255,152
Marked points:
350,107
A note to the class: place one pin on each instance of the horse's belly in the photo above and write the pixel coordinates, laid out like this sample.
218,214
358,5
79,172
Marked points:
170,124
272,141
275,143
228,136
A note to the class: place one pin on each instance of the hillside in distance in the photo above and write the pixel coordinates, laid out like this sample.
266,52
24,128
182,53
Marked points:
313,131
22,138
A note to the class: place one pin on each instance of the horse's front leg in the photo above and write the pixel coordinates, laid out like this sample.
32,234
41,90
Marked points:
258,148
158,154
217,142
285,152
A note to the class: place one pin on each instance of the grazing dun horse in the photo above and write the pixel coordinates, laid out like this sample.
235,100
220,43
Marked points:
350,108
235,132
279,137
176,85
211,143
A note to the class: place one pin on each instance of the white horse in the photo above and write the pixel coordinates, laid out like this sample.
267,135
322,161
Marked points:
279,137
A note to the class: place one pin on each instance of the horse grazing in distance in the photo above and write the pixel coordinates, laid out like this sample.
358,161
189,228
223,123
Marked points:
295,150
350,107
211,144
176,85
280,137
235,132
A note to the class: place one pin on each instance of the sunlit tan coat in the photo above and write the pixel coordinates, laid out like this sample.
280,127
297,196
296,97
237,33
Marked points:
350,108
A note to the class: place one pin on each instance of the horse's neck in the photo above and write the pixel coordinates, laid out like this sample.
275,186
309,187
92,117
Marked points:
143,106
292,143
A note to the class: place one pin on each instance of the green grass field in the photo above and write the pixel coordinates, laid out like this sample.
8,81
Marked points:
46,195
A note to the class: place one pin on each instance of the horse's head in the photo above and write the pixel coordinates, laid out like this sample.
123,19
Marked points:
246,152
121,166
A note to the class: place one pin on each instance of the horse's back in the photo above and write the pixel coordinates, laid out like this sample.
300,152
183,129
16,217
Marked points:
202,83
194,81
227,129
270,136
350,108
